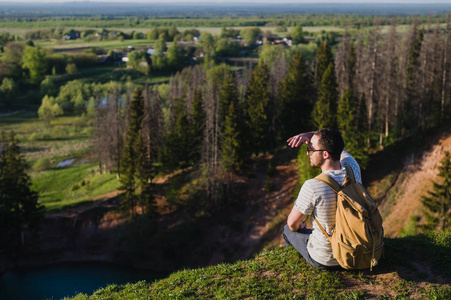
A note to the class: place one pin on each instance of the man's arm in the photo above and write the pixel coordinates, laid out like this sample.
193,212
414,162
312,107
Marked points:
297,140
294,220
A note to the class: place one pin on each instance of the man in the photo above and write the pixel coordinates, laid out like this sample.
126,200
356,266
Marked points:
326,150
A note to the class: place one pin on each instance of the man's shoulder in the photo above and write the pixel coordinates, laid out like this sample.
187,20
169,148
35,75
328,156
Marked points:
314,184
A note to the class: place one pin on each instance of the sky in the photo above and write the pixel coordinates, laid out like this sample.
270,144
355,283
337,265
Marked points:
236,1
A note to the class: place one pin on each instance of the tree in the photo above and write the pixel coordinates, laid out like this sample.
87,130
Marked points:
324,58
231,120
250,35
34,59
48,87
179,140
370,79
49,109
445,65
324,112
153,125
5,37
19,206
207,43
345,62
108,122
159,60
152,34
297,95
438,202
297,34
8,90
138,60
270,54
231,145
226,47
228,94
412,71
175,59
353,134
390,92
135,165
256,109
71,69
13,53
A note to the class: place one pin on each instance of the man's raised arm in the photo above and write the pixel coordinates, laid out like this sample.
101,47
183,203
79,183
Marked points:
302,138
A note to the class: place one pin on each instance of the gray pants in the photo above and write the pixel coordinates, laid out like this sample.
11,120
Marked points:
299,240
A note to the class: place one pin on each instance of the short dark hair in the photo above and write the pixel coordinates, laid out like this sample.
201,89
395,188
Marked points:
331,140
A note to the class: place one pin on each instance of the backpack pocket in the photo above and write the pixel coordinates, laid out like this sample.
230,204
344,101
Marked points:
344,253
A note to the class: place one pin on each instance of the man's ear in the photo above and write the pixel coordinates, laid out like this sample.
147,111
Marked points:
326,155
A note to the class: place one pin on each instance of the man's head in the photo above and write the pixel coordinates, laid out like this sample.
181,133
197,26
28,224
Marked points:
329,140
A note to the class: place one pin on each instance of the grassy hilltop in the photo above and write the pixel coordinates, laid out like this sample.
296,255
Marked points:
415,267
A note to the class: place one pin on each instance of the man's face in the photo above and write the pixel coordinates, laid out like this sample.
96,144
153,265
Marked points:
316,157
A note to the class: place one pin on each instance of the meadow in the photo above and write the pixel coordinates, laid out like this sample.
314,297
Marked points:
45,147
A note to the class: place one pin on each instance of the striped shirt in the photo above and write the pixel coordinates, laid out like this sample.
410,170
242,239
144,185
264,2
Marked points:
318,199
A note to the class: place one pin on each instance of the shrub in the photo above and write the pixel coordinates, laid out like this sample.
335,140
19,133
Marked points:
71,69
42,164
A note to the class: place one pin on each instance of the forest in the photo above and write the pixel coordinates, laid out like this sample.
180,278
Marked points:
203,103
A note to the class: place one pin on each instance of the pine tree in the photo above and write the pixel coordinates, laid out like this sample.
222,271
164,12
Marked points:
324,112
228,93
438,203
296,94
178,141
256,114
197,126
231,120
412,71
19,206
135,165
231,146
347,121
324,58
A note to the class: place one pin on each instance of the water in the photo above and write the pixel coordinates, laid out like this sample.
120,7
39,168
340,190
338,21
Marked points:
67,279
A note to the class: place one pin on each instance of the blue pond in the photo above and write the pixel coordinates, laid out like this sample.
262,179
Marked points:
67,279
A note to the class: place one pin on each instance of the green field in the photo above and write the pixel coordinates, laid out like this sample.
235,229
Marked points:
68,186
108,44
67,138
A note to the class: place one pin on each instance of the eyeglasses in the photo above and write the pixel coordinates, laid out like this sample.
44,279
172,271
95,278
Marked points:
310,150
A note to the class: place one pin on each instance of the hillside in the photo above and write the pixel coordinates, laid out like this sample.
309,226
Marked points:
400,206
414,267
282,274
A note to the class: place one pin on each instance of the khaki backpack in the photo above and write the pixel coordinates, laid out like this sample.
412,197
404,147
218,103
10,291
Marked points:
358,237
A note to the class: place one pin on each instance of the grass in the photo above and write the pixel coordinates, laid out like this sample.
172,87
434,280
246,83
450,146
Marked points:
106,44
283,274
66,138
271,275
65,187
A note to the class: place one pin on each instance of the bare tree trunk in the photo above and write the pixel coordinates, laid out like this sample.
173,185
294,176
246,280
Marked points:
371,92
444,66
342,68
211,147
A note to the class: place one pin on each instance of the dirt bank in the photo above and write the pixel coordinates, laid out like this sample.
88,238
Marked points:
415,180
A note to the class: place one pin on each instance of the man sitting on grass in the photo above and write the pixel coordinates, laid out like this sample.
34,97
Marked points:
325,148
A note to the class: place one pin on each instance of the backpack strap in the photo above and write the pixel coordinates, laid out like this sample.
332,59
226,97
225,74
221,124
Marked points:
330,182
349,175
322,229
